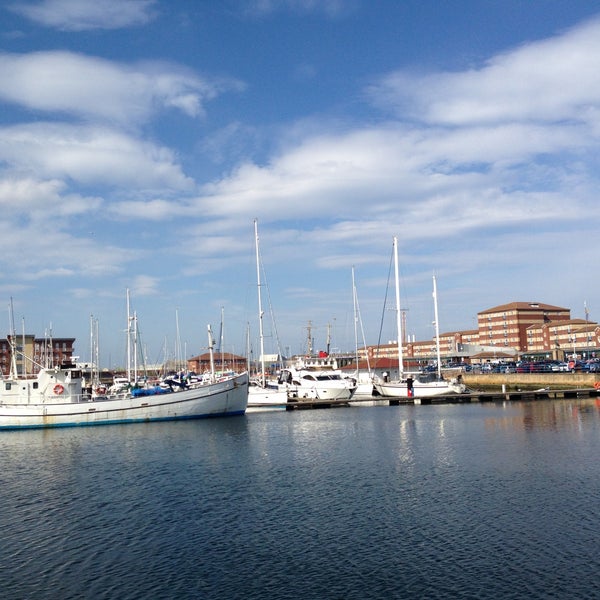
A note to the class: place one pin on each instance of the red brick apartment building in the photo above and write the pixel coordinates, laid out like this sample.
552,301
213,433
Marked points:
509,330
38,352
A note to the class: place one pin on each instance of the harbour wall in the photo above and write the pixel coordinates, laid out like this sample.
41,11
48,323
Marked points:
530,380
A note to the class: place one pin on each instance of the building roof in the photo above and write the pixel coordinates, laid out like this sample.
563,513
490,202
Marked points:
523,306
580,323
217,356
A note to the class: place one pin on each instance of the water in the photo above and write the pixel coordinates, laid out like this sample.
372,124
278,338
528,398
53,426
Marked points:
457,501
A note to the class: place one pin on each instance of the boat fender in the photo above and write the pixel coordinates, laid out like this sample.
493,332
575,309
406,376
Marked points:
58,389
597,385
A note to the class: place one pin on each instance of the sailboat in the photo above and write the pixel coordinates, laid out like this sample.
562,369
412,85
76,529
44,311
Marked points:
416,385
262,396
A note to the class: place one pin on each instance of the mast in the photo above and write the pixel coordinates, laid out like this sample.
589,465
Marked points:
355,320
13,346
178,355
398,312
128,338
437,329
135,347
260,310
222,351
210,350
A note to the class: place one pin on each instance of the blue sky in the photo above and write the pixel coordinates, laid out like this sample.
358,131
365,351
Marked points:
139,140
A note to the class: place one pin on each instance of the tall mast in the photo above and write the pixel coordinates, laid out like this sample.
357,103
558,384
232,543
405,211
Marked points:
398,313
128,338
211,343
135,347
23,348
437,329
178,356
13,345
355,319
260,310
222,339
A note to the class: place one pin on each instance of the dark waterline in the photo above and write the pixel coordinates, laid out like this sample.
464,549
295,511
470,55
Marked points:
455,501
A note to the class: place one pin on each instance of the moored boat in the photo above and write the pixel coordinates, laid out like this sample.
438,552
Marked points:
416,384
263,396
316,379
55,397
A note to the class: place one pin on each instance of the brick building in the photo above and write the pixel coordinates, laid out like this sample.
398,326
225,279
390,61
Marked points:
223,362
514,329
34,353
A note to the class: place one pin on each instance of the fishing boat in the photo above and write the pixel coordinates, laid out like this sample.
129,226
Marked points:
416,385
262,395
55,397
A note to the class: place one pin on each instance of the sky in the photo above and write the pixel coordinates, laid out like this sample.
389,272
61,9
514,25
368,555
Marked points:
140,139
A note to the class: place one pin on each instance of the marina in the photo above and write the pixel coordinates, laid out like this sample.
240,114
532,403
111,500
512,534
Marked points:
465,398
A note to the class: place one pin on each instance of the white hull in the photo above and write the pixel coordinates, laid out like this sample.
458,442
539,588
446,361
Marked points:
266,399
224,398
319,392
363,390
399,389
318,380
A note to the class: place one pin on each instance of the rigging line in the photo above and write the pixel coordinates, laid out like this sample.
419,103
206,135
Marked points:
362,330
271,312
387,287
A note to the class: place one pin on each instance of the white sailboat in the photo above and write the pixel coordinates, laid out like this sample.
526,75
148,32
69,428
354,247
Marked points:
416,385
261,395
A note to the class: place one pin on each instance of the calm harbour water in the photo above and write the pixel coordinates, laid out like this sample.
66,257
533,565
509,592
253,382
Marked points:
452,501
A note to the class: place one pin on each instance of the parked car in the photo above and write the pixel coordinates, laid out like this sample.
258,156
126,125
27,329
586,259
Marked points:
593,365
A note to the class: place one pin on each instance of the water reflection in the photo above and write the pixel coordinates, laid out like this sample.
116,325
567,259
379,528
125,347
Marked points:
554,415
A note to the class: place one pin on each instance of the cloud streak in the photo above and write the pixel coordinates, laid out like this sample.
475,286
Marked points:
545,82
89,87
85,15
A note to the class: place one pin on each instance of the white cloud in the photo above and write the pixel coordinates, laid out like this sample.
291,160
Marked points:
547,81
90,155
330,8
151,210
42,200
145,285
82,15
91,87
37,250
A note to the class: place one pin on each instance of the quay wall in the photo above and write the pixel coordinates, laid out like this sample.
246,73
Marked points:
531,380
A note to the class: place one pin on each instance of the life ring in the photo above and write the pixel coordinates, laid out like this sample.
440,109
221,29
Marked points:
597,385
58,389
101,390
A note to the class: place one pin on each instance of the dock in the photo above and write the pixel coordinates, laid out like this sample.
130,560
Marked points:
467,398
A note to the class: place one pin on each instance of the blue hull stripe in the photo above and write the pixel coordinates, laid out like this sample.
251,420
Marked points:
122,421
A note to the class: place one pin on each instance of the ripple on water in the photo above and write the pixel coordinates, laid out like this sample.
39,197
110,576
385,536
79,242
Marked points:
388,502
